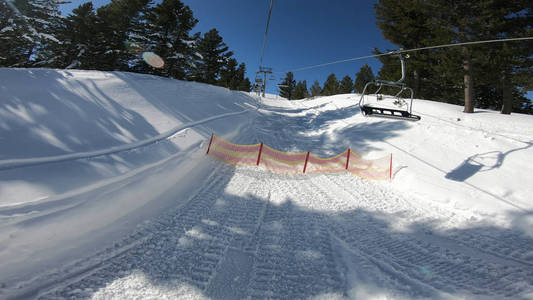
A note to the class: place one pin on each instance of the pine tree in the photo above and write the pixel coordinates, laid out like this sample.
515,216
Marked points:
50,22
28,28
166,32
14,40
433,74
287,86
233,77
479,75
116,21
243,82
362,77
316,90
228,75
300,92
513,60
331,86
346,85
409,25
460,23
212,56
245,85
491,72
79,36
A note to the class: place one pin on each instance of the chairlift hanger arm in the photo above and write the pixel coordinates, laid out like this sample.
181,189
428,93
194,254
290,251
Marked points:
384,112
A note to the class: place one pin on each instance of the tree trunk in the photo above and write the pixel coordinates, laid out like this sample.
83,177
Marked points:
469,85
507,105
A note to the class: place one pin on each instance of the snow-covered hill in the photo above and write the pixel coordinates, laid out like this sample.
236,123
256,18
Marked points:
106,192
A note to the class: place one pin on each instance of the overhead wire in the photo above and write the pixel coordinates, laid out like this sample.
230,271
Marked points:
407,51
266,32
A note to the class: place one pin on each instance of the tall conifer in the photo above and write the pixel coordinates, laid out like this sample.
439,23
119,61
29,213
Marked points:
487,76
362,77
28,28
316,90
331,86
79,37
346,85
288,86
212,56
166,32
300,91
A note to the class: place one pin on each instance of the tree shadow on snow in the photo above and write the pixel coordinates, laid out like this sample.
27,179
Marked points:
53,119
64,115
186,101
224,246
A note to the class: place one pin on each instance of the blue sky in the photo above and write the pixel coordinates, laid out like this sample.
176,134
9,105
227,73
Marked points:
301,33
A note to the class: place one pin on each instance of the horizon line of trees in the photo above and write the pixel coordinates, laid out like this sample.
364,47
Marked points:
113,37
293,90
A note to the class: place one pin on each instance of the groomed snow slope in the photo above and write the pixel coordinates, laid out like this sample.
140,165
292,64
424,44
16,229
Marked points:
157,219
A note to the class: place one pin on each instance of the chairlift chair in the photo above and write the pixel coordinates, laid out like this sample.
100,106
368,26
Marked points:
387,112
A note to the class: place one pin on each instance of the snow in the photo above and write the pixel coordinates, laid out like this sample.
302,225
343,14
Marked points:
106,193
82,49
177,56
28,38
75,63
7,28
188,42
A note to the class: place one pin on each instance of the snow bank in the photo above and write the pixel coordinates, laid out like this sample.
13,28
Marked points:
76,145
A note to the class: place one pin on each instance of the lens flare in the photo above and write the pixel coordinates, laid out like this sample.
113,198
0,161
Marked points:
153,60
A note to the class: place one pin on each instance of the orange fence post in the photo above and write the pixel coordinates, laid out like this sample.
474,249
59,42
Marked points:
259,155
348,159
209,147
390,168
306,159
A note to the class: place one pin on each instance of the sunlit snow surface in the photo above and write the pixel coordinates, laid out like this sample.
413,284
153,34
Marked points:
157,219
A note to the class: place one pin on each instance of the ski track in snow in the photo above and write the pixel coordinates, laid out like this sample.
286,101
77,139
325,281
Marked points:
26,162
251,233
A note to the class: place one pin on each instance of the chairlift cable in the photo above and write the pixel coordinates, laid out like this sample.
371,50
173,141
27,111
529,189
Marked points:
409,50
266,32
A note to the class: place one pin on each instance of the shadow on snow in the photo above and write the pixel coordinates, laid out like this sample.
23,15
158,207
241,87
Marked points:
322,135
482,162
225,246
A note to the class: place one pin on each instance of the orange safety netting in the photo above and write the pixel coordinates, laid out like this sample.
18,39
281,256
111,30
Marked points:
304,162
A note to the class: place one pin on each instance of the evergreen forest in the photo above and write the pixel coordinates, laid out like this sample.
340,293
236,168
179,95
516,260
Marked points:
113,37
34,34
